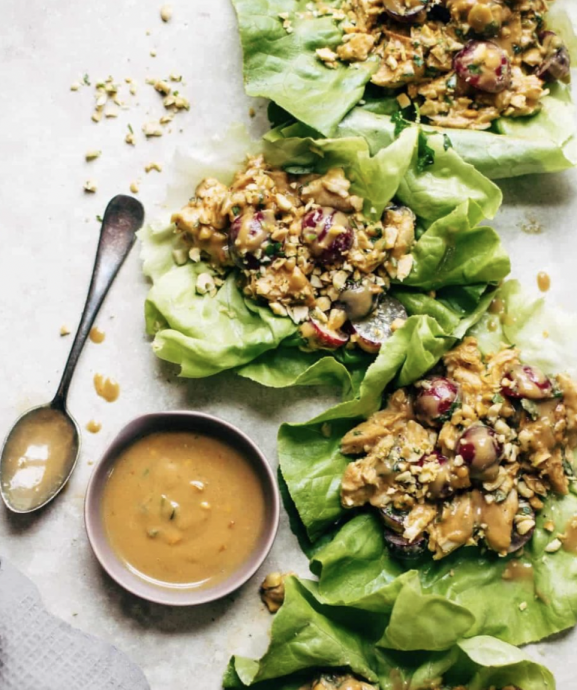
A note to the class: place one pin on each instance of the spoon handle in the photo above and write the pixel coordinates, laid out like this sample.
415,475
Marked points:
124,215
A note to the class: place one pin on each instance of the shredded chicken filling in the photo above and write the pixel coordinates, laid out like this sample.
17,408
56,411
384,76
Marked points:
463,63
303,246
466,456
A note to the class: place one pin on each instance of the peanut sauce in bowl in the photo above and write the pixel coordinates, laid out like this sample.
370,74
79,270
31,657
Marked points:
182,509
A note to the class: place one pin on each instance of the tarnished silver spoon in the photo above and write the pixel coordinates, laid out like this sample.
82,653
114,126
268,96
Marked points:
42,448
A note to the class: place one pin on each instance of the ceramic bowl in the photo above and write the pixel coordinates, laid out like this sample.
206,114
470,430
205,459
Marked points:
178,421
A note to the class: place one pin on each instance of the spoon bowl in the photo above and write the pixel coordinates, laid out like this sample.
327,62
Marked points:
42,448
38,457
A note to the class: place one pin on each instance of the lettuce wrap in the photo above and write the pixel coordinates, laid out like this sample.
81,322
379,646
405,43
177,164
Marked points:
282,66
308,636
465,590
454,257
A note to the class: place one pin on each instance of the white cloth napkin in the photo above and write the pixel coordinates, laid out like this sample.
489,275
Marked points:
41,652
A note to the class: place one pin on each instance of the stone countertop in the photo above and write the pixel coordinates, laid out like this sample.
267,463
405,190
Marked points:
49,232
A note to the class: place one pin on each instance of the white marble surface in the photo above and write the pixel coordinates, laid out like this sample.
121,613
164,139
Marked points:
49,231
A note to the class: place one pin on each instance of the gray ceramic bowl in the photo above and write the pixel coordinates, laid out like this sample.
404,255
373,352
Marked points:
178,421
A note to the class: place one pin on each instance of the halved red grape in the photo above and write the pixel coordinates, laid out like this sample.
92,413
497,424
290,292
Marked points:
528,382
375,329
402,548
248,235
518,541
328,234
484,66
406,11
557,63
436,398
393,519
358,300
328,337
481,451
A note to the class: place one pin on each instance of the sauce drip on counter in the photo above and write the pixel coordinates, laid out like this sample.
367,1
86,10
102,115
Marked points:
93,426
106,388
543,281
38,456
183,509
517,570
96,335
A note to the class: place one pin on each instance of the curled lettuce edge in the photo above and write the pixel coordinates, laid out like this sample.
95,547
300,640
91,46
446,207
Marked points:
308,636
466,590
282,65
210,333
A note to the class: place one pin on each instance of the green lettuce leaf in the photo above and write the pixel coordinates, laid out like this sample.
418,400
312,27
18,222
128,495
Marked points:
465,590
308,636
206,334
283,67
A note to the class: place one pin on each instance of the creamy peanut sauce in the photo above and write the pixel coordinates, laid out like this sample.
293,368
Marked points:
183,509
517,570
93,426
37,458
106,388
543,281
96,335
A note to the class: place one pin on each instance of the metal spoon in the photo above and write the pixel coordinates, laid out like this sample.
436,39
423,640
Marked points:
42,448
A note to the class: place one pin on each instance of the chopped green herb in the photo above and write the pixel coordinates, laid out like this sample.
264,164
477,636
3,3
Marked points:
531,408
568,467
447,143
99,219
274,249
474,69
130,129
498,398
86,79
399,122
235,210
426,155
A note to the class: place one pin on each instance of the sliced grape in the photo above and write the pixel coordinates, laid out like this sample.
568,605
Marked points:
484,66
328,337
358,300
393,519
406,11
436,398
249,235
328,234
557,63
481,451
402,548
518,541
528,382
375,329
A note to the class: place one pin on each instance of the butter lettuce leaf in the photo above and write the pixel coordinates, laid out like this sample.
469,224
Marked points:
309,637
208,333
353,564
280,63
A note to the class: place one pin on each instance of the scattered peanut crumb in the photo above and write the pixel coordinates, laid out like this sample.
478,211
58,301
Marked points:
326,430
64,330
522,606
166,13
153,53
175,77
90,186
75,86
162,87
153,166
97,116
92,154
251,112
111,112
398,323
549,526
130,139
403,100
553,546
134,188
152,129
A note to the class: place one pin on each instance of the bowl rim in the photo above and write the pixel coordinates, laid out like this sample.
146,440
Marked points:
104,553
